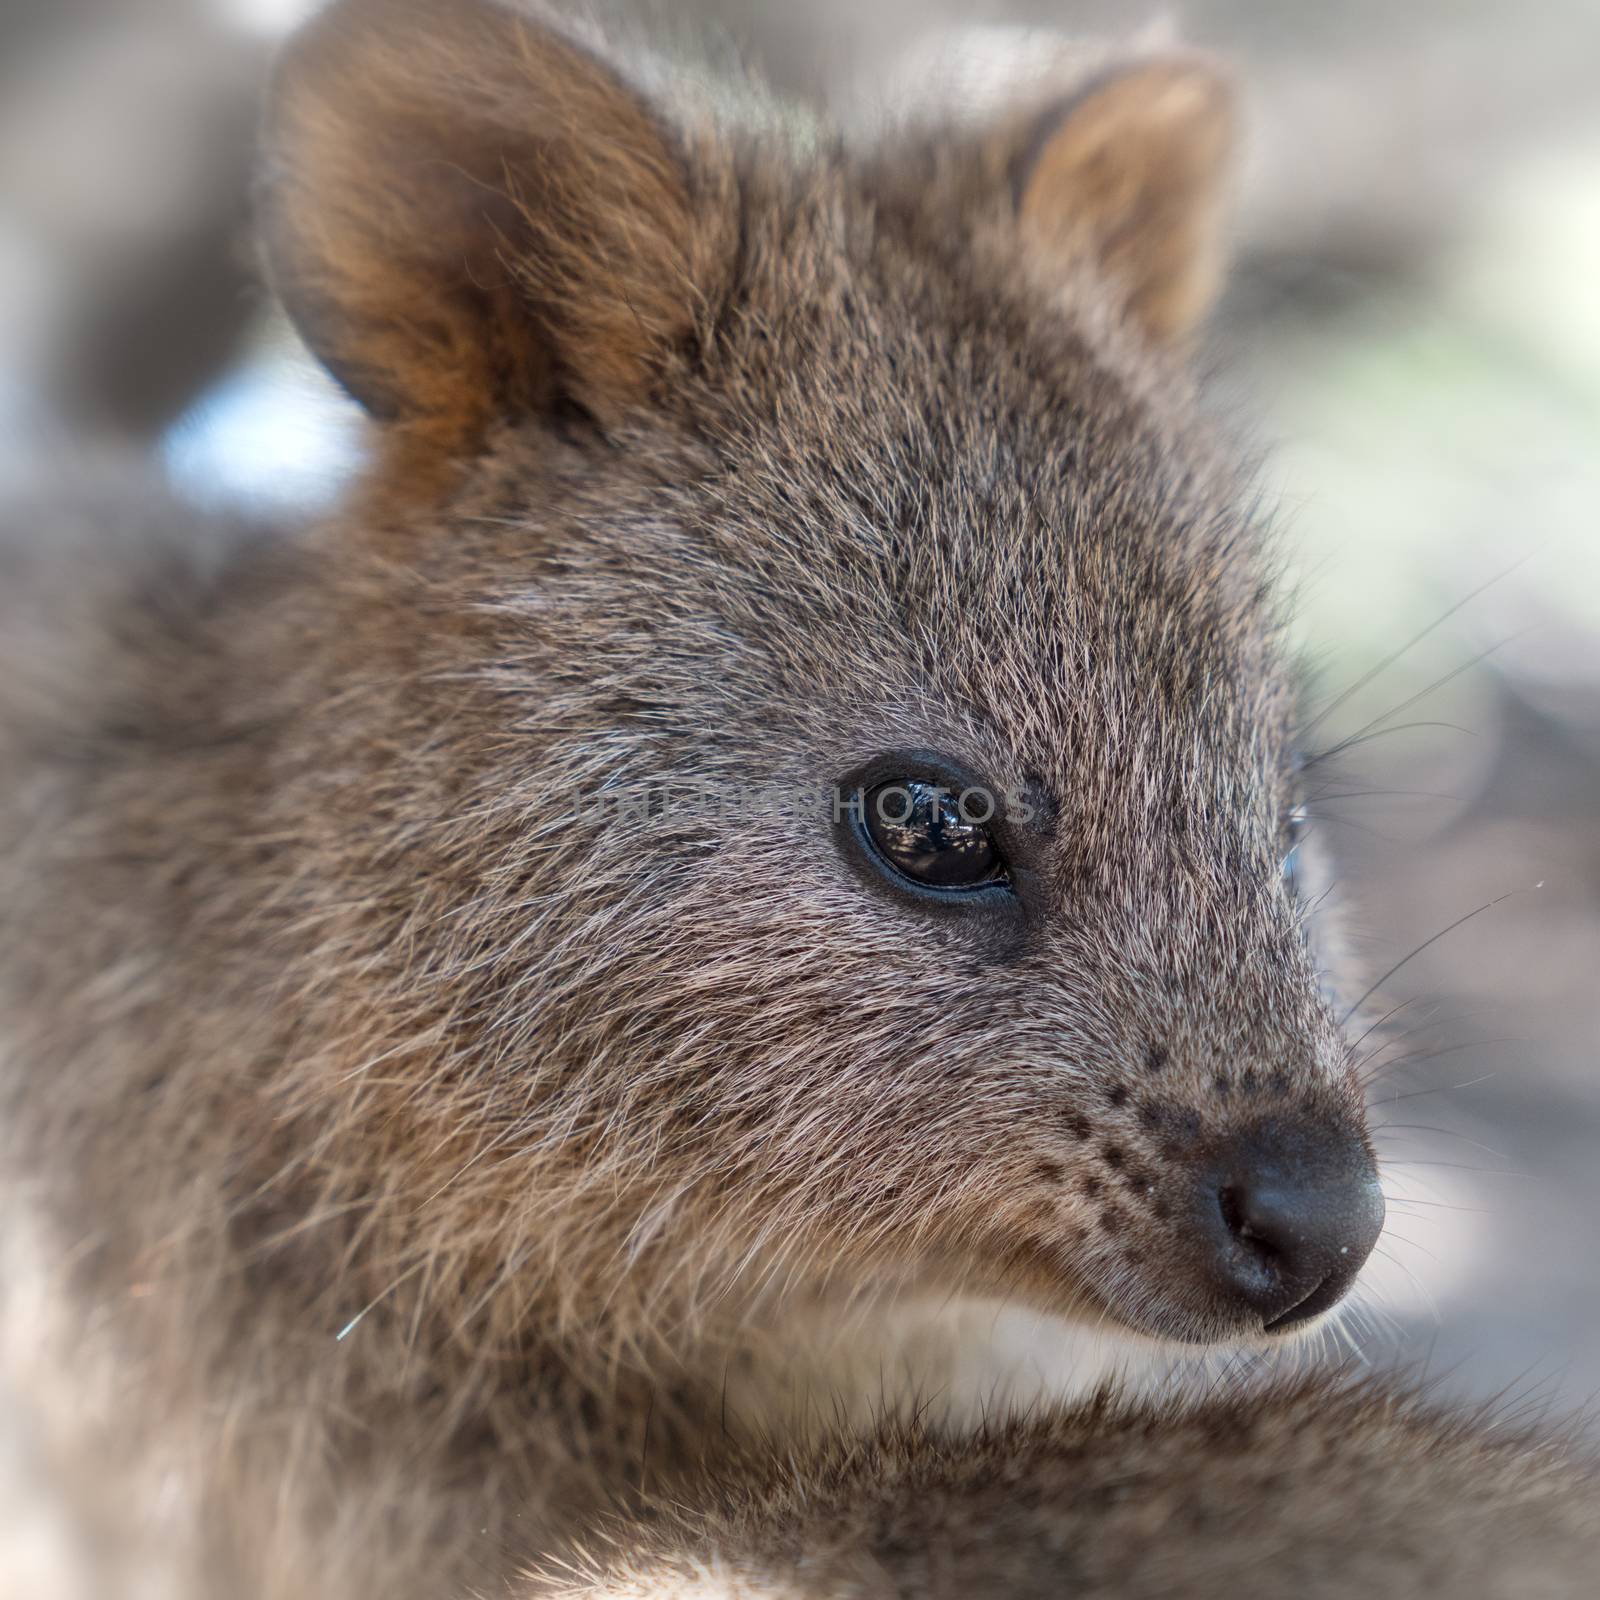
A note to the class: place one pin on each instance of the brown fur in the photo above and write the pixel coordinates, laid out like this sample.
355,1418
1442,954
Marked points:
1307,1489
441,1096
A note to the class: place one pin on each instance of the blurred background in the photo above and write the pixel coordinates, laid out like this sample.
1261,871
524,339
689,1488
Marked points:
1413,335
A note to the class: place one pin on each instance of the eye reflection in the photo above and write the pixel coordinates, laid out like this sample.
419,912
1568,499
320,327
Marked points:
932,834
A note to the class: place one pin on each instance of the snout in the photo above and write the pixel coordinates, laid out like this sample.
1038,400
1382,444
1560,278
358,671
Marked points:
1284,1218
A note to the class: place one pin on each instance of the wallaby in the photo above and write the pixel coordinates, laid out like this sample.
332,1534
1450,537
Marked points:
769,803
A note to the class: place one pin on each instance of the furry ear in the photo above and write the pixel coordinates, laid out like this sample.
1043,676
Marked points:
1130,173
466,212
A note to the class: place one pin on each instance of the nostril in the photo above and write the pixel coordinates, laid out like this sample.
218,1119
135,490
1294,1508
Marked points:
1232,1205
1235,1210
1292,1219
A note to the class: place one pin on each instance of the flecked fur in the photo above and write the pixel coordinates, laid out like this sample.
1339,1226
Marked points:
441,1026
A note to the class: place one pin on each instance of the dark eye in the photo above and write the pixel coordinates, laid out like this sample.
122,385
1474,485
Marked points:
933,835
1296,823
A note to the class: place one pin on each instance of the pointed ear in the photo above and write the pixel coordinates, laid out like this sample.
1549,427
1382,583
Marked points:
1130,173
466,213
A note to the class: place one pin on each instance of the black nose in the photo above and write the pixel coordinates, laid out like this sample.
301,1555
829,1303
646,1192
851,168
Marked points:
1292,1214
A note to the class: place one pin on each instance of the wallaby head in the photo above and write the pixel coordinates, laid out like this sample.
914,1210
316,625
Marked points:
803,739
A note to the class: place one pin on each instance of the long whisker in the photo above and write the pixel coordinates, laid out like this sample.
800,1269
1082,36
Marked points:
1393,1011
1478,911
1410,644
1365,737
1447,1133
1437,684
1443,1088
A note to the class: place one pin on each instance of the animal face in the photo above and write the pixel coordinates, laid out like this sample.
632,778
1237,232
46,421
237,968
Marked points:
845,745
